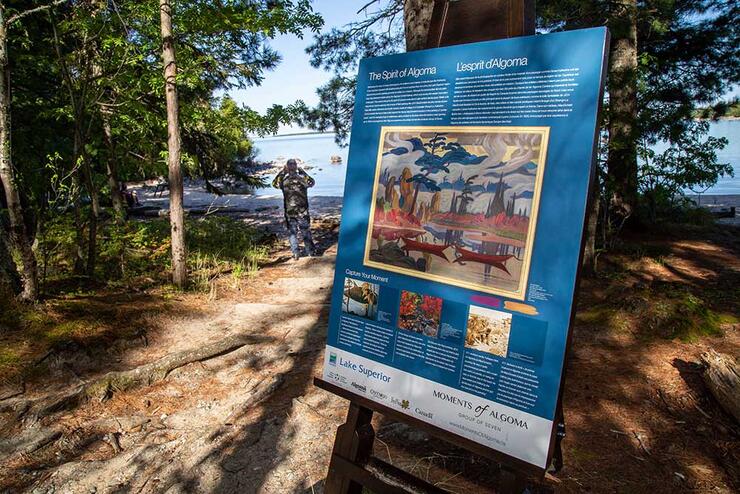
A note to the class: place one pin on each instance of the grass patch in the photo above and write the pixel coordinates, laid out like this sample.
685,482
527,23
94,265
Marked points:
138,252
10,359
132,257
662,310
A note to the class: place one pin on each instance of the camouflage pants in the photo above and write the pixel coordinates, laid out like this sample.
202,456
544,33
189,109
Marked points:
300,224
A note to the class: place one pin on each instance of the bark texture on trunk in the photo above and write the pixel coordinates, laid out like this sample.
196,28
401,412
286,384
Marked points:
112,168
417,15
622,159
589,250
19,232
177,215
10,282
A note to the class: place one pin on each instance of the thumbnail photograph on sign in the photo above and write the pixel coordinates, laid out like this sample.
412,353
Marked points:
360,298
458,205
419,313
488,331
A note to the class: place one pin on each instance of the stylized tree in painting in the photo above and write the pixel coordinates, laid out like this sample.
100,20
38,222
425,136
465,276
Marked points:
438,154
466,196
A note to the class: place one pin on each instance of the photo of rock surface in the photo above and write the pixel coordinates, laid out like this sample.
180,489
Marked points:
458,204
419,313
488,331
360,298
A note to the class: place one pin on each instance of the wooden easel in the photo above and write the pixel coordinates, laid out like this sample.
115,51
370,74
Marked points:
352,465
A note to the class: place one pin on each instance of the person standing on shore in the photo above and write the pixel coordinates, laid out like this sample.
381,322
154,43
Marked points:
294,182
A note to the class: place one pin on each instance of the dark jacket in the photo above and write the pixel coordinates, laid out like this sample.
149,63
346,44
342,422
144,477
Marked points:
295,192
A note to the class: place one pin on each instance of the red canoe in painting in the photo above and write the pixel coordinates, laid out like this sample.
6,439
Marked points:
498,262
433,249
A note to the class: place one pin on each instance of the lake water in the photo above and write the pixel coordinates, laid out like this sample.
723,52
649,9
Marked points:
316,150
729,129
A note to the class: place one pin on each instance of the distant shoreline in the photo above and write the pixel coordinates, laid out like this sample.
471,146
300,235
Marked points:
716,201
293,134
729,118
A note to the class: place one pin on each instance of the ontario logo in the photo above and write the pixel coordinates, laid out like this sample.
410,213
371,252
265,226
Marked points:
405,404
333,359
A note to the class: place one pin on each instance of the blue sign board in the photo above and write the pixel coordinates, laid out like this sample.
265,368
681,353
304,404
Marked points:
467,182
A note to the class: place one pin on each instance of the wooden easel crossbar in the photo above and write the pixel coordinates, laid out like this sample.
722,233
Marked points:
352,465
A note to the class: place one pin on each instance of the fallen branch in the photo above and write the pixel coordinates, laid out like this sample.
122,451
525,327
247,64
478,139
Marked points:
639,436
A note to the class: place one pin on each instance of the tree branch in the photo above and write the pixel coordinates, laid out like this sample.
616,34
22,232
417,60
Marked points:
21,15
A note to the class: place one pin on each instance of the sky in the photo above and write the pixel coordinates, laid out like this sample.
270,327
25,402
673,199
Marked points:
294,78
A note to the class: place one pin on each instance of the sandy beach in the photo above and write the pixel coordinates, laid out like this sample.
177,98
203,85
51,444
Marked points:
264,208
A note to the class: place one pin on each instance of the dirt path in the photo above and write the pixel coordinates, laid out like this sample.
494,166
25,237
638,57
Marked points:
249,420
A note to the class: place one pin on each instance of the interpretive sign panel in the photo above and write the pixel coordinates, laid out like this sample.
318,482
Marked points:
466,192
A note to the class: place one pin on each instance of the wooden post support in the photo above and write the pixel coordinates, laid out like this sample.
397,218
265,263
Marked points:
354,442
352,465
469,21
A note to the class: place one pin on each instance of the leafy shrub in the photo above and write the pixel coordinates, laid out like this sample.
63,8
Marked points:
140,250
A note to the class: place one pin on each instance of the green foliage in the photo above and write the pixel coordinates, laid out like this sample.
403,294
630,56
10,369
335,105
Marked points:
689,162
378,31
721,109
82,65
138,252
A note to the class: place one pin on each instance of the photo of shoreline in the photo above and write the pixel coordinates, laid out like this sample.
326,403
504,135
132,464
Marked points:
360,298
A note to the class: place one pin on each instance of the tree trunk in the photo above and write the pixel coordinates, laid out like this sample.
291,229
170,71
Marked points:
85,171
417,14
19,232
177,215
79,254
10,282
622,159
589,251
112,169
93,218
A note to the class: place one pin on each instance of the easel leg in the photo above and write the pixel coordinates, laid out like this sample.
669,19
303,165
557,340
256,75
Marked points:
557,457
354,442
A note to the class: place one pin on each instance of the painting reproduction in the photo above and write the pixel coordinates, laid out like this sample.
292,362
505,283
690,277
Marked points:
458,205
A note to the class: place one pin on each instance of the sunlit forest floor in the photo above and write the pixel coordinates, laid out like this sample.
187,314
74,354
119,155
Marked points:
222,399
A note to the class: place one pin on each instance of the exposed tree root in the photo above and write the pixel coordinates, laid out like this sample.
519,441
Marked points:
104,387
109,429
